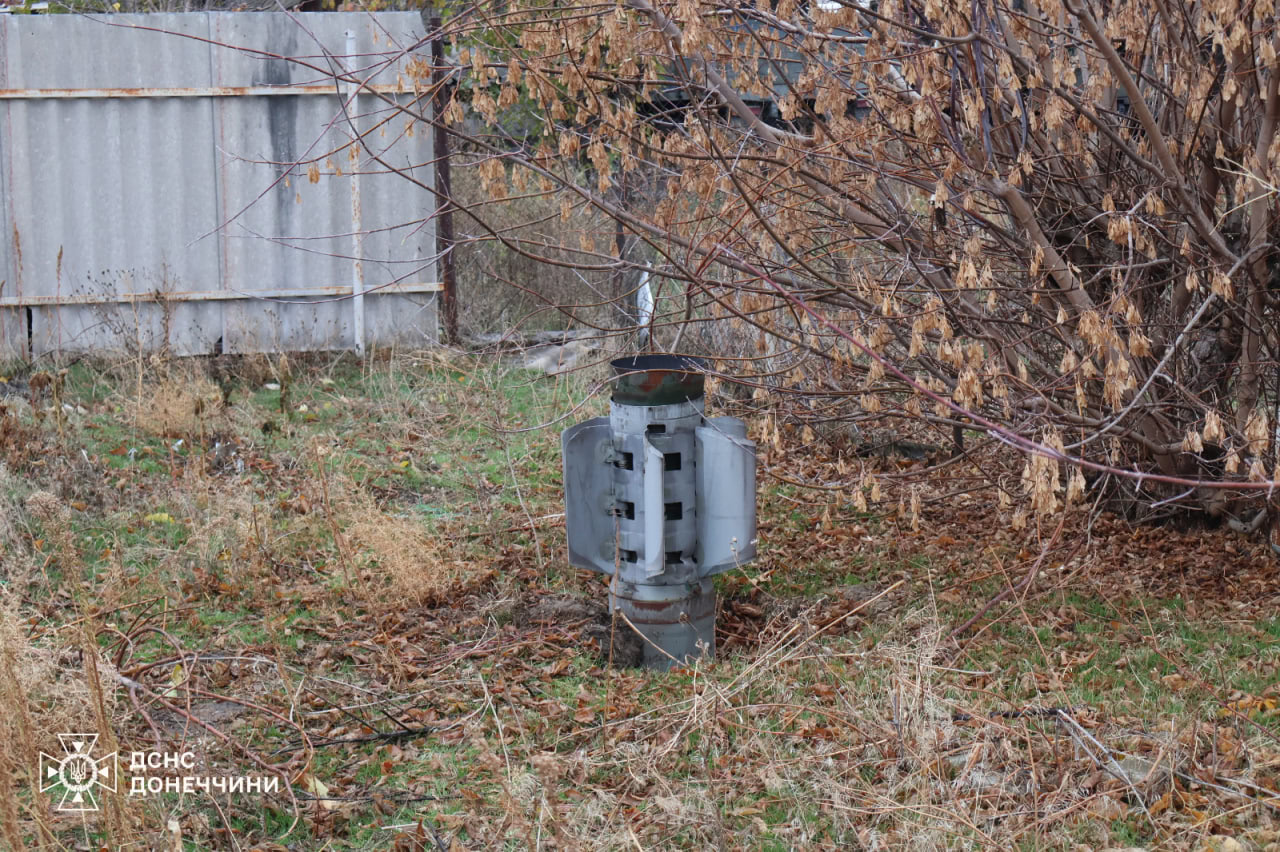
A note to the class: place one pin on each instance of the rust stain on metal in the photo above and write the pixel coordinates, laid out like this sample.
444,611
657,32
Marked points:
651,606
653,379
220,112
669,612
17,257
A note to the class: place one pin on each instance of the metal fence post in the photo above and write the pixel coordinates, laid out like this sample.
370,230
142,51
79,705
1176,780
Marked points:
351,92
444,189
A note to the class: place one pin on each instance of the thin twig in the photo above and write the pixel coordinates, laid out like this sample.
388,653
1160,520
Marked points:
1022,586
383,737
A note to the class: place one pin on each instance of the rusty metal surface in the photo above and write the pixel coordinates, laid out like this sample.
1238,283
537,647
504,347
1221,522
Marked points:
677,622
657,379
135,162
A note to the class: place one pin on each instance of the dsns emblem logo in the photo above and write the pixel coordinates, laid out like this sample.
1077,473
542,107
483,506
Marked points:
77,772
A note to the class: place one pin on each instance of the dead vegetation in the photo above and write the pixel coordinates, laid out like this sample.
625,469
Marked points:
503,289
413,565
177,407
367,600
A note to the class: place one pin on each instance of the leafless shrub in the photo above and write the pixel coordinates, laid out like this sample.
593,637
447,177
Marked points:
501,289
1052,222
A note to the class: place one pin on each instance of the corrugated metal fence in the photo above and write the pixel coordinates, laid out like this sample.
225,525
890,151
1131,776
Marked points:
175,181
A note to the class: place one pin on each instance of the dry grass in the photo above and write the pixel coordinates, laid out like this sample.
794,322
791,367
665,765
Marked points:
412,564
46,689
176,407
341,598
11,493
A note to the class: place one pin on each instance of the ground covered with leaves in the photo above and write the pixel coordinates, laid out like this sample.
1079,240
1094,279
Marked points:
351,577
